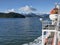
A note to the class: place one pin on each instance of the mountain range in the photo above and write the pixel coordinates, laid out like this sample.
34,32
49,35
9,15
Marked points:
11,15
19,15
36,15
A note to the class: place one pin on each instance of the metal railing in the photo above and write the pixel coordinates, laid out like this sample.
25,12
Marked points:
47,25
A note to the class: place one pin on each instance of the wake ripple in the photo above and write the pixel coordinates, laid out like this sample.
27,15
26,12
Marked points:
37,41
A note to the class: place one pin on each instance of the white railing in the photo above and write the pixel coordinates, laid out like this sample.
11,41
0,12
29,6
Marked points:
48,25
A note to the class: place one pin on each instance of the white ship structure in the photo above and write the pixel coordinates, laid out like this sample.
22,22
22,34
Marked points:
51,29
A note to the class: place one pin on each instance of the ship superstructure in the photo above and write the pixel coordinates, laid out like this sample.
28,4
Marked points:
51,29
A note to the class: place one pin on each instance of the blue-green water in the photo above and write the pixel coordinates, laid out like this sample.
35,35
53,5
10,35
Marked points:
17,31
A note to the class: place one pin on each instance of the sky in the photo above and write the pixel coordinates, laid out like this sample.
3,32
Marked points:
28,5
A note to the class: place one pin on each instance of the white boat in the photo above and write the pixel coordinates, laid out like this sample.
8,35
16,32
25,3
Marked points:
52,28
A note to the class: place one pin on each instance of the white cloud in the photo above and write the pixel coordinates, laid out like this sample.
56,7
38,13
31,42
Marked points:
27,9
10,10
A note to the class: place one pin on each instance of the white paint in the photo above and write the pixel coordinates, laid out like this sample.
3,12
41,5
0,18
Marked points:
53,16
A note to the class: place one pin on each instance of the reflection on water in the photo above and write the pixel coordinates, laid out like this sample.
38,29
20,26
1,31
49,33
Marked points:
16,31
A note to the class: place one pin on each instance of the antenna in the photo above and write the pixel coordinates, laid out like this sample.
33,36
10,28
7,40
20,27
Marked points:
56,5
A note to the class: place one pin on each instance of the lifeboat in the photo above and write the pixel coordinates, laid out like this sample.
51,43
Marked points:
53,14
54,11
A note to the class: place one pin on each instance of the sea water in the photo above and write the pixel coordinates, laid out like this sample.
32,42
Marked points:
18,31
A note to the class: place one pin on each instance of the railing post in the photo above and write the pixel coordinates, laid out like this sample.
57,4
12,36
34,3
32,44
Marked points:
55,38
42,37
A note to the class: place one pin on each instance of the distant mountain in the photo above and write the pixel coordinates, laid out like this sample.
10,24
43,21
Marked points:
45,15
36,15
32,15
11,15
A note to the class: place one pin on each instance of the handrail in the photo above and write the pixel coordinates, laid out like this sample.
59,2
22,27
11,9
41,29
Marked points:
48,25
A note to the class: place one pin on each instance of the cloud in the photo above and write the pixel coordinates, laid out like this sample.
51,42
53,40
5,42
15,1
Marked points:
27,8
10,10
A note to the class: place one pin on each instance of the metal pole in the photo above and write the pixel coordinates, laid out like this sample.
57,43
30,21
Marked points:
42,37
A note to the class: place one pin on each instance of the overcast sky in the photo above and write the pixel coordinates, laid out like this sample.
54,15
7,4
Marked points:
16,5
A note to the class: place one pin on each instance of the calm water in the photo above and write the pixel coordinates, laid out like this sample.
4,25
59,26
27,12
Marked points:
16,31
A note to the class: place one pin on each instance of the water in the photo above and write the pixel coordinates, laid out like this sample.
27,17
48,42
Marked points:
17,31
